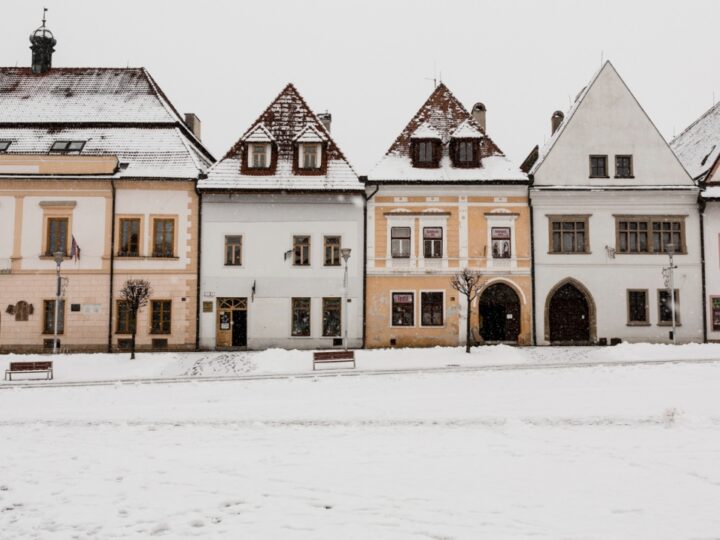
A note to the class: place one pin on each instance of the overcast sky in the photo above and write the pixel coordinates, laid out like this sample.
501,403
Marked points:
371,63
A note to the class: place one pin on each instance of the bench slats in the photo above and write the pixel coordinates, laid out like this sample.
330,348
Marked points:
29,367
329,357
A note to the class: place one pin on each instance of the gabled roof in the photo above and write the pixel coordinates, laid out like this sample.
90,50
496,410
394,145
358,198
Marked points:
698,147
442,115
120,111
309,134
466,130
258,134
286,119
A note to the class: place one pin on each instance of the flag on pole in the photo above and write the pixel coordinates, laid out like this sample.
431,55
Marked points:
74,250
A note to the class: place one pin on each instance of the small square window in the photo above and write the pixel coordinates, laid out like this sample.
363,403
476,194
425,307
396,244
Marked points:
67,146
623,167
598,167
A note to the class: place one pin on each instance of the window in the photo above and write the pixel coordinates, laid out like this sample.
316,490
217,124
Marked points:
715,306
425,151
332,251
163,237
665,307
332,317
637,302
301,250
57,236
67,146
400,242
49,317
160,316
403,309
650,234
259,156
129,237
310,156
598,167
432,242
125,321
465,153
300,317
22,311
623,167
4,145
500,237
568,234
233,250
431,308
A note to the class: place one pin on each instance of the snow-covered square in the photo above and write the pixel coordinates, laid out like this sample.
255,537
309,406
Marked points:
535,449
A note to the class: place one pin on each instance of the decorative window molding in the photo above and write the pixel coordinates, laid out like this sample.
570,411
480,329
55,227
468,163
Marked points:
569,234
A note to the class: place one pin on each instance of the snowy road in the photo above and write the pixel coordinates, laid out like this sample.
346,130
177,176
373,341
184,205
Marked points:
603,452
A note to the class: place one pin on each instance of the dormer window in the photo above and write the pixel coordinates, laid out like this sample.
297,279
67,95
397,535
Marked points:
259,155
4,145
66,147
465,153
426,153
310,156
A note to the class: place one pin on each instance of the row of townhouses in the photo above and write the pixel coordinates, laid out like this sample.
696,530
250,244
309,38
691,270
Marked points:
280,243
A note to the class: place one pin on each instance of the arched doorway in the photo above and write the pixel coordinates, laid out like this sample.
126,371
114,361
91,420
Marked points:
569,315
499,314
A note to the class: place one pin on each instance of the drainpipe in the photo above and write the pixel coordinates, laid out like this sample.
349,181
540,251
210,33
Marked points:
364,305
532,264
112,267
199,255
701,206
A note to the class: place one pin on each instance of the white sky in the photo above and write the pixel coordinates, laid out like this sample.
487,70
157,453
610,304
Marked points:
369,62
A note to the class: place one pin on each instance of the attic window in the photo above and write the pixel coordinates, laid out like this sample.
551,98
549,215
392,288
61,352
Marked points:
67,146
4,145
426,153
465,153
310,156
259,156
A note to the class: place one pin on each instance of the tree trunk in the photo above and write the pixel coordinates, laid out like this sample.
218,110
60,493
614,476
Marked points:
132,344
468,332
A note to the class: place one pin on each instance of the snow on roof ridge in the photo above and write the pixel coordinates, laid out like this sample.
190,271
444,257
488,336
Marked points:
426,131
467,131
547,147
250,135
309,127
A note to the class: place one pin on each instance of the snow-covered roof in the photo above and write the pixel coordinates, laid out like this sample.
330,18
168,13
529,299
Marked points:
544,150
118,111
698,147
289,120
426,131
444,116
258,134
466,130
161,152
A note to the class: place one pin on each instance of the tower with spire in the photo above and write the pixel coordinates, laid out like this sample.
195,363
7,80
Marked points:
43,46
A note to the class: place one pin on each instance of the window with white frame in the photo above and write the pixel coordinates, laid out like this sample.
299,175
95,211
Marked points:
431,308
310,156
259,156
403,309
501,242
400,242
432,242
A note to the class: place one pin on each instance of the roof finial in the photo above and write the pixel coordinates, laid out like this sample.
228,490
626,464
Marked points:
44,12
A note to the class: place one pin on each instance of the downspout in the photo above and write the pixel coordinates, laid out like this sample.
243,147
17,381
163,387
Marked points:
199,259
112,266
364,305
532,264
701,206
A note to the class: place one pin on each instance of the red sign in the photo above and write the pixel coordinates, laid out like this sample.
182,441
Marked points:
403,298
501,233
432,232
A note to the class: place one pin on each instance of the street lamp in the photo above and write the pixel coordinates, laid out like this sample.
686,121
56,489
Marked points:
669,275
59,257
345,253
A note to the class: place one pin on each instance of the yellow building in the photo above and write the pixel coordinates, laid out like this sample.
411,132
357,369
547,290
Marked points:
444,198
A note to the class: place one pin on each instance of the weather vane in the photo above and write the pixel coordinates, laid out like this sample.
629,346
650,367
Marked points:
44,12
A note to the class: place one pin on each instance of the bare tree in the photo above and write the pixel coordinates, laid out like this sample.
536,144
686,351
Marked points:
467,282
136,295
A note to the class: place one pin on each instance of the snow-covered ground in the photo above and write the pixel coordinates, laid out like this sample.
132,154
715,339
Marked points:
94,367
606,452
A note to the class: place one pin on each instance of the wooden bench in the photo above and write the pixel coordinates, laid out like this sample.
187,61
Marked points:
333,357
30,367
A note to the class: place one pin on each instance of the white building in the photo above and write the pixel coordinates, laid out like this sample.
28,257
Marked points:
698,148
608,197
277,213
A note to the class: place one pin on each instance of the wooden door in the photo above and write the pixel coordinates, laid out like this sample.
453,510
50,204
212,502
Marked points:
569,316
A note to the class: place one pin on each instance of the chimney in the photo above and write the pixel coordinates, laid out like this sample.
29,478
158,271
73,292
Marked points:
326,119
555,121
478,114
43,46
193,123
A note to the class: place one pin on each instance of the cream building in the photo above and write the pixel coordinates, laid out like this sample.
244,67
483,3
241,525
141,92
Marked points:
96,159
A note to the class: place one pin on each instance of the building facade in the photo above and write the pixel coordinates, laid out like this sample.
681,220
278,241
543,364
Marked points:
442,199
96,164
610,200
279,212
698,148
